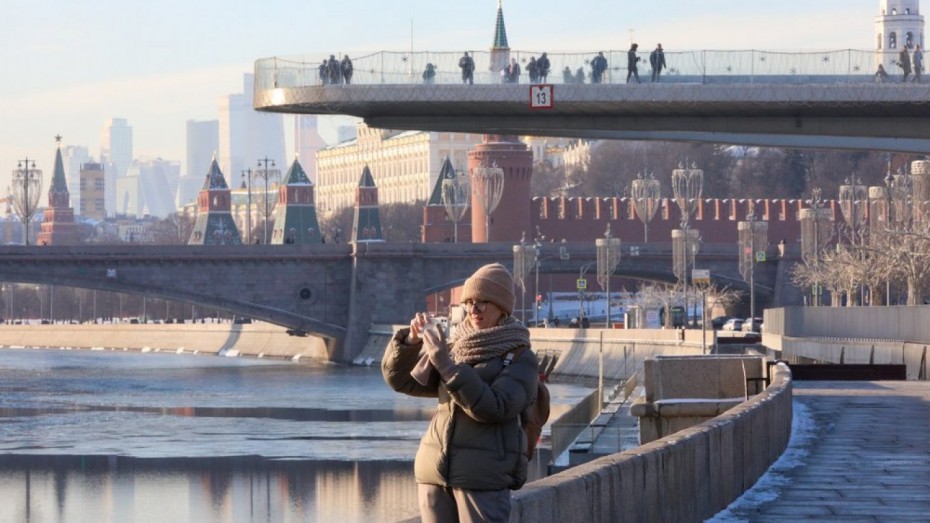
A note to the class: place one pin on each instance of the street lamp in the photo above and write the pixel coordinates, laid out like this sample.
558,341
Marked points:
854,206
645,193
488,186
582,286
247,182
815,232
523,262
264,172
27,185
608,256
687,186
752,234
455,194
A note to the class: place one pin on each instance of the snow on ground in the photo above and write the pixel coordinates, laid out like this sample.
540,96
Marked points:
768,487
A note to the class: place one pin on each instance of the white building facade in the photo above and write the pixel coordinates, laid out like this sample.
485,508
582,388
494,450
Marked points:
404,165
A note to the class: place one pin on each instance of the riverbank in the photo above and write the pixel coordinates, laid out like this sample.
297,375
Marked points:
251,339
581,353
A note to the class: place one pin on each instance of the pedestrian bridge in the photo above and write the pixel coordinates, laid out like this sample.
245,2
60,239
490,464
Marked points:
814,99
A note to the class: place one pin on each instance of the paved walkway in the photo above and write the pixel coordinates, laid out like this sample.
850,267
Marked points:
859,451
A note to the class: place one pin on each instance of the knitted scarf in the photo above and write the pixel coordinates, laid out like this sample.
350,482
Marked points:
473,346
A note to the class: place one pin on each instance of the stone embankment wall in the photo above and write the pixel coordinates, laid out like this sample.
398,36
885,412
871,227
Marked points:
687,476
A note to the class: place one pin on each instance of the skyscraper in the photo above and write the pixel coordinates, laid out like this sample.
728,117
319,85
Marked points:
245,135
307,142
203,141
115,155
74,157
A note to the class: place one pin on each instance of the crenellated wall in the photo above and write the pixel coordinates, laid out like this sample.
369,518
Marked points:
585,219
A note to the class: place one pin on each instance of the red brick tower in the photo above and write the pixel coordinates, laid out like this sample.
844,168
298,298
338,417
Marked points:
58,227
512,215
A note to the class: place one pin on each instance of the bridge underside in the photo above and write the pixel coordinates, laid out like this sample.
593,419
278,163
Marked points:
853,116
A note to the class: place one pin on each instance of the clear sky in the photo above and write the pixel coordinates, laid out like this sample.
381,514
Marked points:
70,65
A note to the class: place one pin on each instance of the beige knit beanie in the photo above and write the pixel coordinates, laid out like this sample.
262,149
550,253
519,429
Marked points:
491,283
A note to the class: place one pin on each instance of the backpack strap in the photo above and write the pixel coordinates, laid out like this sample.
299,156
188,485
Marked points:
513,354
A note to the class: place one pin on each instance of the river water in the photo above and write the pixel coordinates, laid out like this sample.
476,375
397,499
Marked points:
124,437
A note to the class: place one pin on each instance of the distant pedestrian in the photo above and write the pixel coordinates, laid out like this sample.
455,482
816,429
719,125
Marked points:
567,76
335,70
429,74
531,70
904,61
347,69
598,67
468,69
542,67
579,75
918,63
657,61
631,61
881,76
324,72
513,72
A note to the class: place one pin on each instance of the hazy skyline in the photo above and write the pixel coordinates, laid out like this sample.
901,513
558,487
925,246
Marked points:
71,66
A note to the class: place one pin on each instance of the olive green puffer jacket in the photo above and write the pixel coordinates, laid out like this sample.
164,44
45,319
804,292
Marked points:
474,440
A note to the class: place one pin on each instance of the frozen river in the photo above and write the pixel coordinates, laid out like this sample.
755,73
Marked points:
131,438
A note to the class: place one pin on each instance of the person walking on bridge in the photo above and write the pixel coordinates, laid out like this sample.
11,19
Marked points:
657,61
598,68
484,375
631,61
904,61
918,63
468,69
542,67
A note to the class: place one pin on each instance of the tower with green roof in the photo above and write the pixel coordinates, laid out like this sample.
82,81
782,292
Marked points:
500,51
215,224
295,220
366,226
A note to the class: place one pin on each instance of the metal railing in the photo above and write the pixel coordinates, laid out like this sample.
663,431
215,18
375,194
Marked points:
699,66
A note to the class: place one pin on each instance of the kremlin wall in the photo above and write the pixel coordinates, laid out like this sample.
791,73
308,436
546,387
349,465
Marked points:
585,219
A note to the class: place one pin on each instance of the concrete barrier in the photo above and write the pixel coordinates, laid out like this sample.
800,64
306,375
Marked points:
687,476
683,391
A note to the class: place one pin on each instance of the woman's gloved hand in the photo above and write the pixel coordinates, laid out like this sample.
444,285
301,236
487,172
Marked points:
434,341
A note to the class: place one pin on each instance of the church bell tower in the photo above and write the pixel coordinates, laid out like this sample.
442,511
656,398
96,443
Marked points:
899,24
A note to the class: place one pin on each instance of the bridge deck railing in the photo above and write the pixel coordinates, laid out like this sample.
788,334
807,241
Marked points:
696,66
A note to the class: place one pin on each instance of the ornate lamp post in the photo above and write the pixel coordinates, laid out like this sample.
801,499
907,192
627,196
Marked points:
854,206
488,186
456,191
752,234
27,184
265,173
608,256
645,194
815,232
687,186
247,182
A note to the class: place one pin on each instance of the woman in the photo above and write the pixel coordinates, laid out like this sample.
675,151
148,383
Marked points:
473,453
